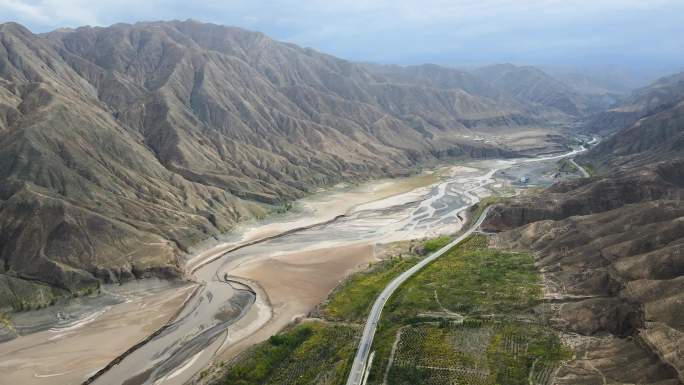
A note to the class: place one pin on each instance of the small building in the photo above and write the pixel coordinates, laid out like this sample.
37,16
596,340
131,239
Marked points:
524,179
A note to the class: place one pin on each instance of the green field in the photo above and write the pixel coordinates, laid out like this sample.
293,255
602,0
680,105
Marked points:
470,280
436,244
308,353
475,353
495,292
352,300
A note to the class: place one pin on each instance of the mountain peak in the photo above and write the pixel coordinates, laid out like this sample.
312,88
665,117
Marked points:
14,28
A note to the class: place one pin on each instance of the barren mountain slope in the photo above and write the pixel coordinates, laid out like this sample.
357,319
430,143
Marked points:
662,95
122,146
654,138
610,248
81,195
535,86
614,277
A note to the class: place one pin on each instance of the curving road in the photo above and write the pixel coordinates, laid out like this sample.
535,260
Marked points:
357,373
358,369
582,169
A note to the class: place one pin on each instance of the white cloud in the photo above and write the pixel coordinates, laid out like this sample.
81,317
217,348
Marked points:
46,14
23,10
396,30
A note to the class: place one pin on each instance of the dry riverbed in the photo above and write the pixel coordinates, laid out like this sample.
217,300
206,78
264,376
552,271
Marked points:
70,355
291,274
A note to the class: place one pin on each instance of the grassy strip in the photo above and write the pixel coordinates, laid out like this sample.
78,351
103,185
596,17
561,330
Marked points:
436,243
565,165
308,353
352,301
591,170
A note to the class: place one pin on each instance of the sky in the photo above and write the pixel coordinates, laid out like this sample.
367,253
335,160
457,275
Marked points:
642,34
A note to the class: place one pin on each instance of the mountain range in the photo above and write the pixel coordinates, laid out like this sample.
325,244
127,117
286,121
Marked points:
662,95
123,146
610,246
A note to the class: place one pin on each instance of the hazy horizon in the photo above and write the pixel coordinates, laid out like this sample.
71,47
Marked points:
633,37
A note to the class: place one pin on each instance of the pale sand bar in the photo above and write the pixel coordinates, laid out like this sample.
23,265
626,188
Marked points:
70,356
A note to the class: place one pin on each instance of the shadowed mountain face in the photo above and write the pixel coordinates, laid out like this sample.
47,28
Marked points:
662,95
539,88
122,146
654,138
610,248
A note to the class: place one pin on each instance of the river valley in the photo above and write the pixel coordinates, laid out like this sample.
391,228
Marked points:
259,278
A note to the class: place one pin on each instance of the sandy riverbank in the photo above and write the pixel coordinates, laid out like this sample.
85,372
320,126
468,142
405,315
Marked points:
70,355
294,284
323,207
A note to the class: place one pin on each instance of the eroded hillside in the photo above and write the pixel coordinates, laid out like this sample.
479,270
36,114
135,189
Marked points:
122,146
610,248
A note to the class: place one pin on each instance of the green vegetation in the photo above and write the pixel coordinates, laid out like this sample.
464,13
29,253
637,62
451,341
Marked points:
591,170
352,300
309,353
475,353
18,305
471,279
565,165
6,321
436,243
465,319
480,284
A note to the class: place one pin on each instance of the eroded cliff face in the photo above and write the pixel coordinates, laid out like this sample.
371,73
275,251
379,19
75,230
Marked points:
616,273
611,250
658,181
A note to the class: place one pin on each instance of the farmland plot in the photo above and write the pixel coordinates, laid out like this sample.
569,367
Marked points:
476,353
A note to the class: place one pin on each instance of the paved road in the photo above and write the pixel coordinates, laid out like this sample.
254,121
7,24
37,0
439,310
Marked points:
358,367
582,169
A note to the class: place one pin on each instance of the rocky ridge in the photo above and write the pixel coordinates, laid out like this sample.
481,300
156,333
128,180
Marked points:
610,249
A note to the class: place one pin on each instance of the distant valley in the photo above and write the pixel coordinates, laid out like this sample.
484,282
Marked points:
199,162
